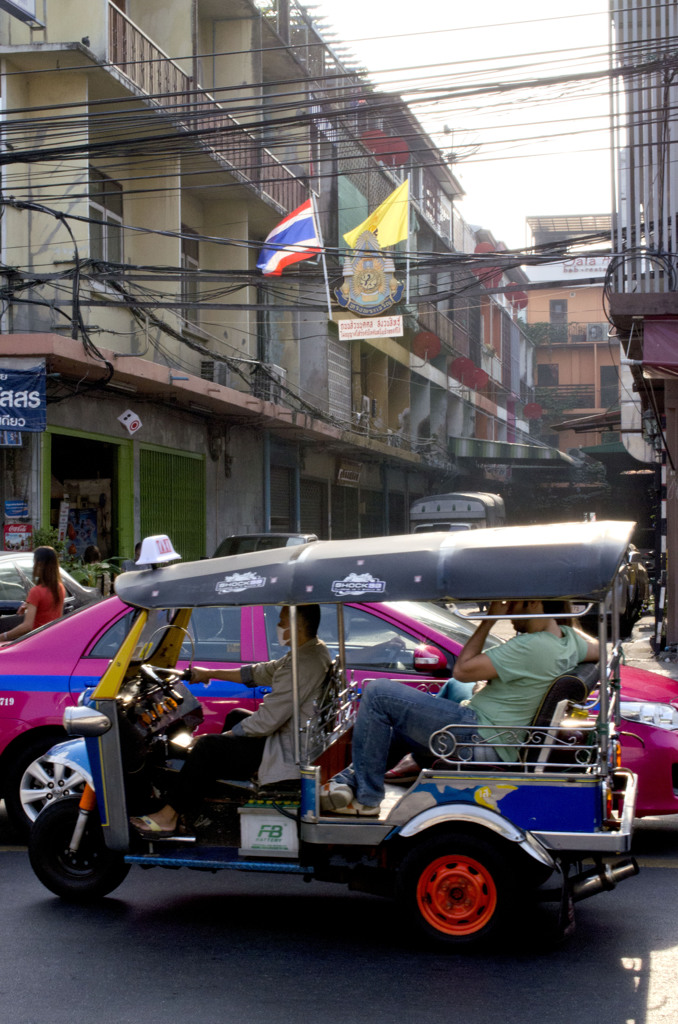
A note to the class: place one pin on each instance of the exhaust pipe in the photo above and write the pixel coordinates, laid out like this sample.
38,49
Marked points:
604,881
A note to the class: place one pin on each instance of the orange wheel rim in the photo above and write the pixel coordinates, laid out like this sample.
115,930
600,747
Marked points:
456,895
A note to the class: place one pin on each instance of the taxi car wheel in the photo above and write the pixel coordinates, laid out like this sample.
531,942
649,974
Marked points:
31,783
456,889
88,874
42,783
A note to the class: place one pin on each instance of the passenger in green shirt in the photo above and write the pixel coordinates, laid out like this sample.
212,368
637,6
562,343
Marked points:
518,674
519,671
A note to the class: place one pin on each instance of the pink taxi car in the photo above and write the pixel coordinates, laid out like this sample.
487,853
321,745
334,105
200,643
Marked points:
47,670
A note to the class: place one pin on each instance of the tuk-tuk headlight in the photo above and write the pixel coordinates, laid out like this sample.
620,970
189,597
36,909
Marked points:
661,716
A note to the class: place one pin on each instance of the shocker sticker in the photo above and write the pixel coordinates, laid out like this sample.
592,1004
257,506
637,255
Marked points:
239,581
358,583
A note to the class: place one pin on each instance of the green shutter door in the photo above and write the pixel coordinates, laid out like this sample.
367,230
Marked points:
172,499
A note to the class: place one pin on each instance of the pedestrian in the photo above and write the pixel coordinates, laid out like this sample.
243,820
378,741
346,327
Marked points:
45,600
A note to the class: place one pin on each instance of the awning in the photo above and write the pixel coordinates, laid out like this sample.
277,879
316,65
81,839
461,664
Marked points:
505,451
660,345
613,448
610,420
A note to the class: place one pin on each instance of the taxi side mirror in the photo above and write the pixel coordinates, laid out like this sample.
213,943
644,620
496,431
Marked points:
430,659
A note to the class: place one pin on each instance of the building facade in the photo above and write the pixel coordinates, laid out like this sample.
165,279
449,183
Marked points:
641,282
149,148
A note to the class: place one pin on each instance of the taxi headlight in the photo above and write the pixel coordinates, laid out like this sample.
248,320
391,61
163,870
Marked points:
662,716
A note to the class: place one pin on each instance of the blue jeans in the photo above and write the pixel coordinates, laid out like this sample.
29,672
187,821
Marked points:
389,711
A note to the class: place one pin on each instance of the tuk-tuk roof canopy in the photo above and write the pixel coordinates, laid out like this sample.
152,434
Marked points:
559,560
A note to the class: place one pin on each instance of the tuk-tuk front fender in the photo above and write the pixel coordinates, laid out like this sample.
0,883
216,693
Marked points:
72,754
433,817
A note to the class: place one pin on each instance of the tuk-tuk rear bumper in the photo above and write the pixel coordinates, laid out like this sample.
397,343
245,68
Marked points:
609,842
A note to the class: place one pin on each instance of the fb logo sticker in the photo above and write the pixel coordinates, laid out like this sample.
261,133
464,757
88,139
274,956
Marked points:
273,832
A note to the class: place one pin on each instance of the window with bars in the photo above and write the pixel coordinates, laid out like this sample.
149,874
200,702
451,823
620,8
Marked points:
190,253
609,386
547,375
105,211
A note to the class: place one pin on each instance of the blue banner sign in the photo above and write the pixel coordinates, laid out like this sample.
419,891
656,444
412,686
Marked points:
10,439
23,399
16,509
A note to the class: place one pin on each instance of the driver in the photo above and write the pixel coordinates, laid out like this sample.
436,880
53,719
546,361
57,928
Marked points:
261,743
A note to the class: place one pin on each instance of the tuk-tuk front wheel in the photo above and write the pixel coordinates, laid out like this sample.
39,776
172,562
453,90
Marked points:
86,874
456,889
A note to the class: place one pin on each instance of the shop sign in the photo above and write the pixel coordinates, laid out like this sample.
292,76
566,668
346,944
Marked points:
16,509
23,398
498,472
10,439
64,509
587,265
130,420
18,536
377,327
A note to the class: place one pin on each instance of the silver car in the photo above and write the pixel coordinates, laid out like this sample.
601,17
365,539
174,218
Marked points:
16,579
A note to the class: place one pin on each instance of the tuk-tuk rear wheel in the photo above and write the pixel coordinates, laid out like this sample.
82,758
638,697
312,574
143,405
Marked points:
86,874
456,889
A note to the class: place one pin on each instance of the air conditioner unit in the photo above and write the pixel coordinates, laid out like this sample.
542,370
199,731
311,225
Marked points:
366,405
217,371
596,332
269,382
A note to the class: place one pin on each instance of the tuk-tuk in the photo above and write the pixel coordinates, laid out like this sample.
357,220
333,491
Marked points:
462,846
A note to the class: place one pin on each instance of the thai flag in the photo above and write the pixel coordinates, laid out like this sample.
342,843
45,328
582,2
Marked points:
295,238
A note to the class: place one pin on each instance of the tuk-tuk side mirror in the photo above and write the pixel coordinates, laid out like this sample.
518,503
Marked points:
85,721
429,659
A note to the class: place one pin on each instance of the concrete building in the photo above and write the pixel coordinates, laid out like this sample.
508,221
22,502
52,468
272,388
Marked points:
149,148
582,391
641,281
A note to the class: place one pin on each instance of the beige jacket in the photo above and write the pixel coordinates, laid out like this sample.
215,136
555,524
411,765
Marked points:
273,718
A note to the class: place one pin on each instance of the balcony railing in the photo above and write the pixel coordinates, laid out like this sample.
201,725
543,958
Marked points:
563,397
156,74
545,333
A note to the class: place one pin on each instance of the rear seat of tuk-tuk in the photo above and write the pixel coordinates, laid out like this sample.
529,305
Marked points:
568,690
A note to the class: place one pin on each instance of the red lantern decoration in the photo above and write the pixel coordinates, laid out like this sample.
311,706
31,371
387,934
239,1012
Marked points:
517,298
426,345
489,276
463,369
389,150
533,411
481,378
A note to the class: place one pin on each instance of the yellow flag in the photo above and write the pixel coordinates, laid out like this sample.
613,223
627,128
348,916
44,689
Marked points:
390,221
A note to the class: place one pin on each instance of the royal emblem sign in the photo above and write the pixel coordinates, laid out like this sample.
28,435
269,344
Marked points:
370,285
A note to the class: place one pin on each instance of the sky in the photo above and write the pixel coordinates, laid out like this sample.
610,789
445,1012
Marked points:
540,150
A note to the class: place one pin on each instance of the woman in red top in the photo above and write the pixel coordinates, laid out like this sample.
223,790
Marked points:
45,600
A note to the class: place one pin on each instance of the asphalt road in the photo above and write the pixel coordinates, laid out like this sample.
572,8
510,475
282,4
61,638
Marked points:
170,947
174,946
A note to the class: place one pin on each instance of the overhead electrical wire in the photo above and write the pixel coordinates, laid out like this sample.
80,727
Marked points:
435,91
